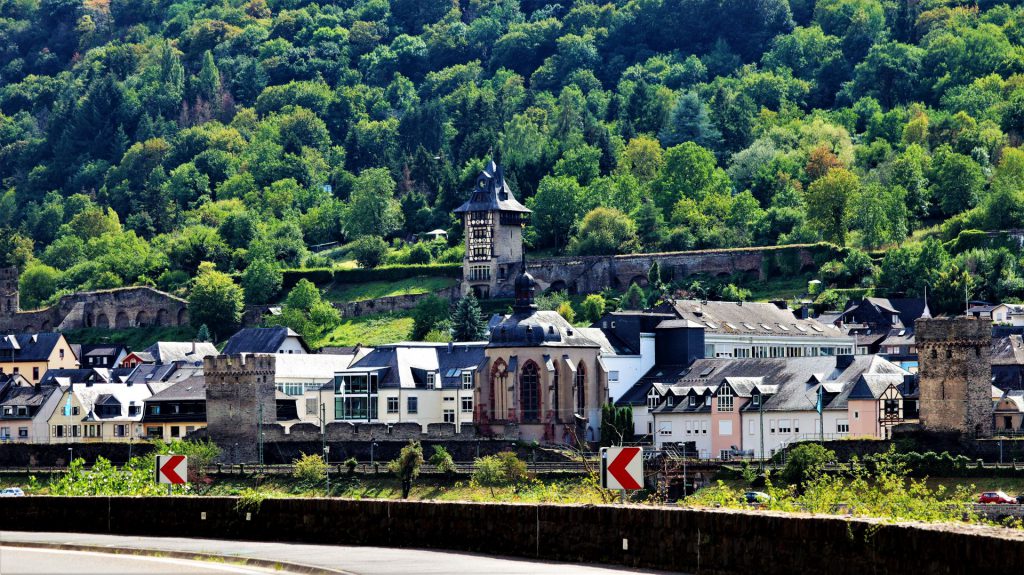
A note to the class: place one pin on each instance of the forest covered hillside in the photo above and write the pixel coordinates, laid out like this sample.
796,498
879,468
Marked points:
201,143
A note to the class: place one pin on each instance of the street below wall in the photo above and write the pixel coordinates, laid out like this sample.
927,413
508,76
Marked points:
340,559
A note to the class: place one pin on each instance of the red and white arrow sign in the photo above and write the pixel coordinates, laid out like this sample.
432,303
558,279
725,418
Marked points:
622,468
171,469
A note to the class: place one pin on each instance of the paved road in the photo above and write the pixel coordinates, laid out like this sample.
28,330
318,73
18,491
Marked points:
352,560
22,561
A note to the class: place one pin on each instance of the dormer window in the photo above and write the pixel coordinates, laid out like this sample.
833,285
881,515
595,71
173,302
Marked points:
755,400
430,379
670,401
693,401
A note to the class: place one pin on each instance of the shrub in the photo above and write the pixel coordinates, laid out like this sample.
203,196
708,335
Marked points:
310,468
419,254
592,308
565,310
806,461
504,469
407,465
369,251
442,460
351,464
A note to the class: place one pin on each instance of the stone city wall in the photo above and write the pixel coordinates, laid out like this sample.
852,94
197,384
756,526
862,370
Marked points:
110,309
708,542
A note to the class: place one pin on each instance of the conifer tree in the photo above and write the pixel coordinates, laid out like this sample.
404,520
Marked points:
467,320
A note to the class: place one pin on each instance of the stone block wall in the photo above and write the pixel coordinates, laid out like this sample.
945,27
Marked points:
709,542
955,374
119,308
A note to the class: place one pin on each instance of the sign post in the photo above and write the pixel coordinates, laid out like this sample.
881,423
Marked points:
622,468
172,470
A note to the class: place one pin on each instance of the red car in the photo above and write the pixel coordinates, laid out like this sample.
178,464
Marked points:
995,497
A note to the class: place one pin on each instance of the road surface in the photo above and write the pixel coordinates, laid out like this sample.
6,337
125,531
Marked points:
22,561
340,559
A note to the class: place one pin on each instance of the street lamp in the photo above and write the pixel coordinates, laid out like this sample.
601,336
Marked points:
71,455
372,445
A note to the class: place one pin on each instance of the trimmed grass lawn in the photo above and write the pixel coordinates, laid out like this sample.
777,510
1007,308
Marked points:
369,330
373,290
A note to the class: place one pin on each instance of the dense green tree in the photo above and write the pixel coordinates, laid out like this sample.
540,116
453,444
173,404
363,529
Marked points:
556,209
215,300
605,231
828,203
429,313
37,283
957,181
261,281
373,210
690,122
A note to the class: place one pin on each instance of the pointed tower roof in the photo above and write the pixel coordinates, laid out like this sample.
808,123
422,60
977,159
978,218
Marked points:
492,194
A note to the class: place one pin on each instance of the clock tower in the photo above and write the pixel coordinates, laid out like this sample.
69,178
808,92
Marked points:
493,222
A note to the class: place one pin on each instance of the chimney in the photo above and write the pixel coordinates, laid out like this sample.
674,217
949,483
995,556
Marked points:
805,312
450,346
193,346
780,303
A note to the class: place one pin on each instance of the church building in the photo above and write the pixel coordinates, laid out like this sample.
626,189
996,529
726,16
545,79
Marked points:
543,379
493,221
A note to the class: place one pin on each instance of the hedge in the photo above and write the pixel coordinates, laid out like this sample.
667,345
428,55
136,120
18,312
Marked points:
321,276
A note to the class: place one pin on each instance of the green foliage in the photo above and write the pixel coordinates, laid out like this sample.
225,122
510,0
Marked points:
592,308
605,231
216,300
306,312
37,284
429,313
369,251
261,281
503,469
806,462
135,478
633,299
310,469
442,460
407,465
616,425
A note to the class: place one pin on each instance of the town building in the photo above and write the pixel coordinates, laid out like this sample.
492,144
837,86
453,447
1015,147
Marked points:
628,344
410,382
493,223
31,354
545,380
759,330
107,356
21,404
724,407
275,340
176,411
955,375
99,412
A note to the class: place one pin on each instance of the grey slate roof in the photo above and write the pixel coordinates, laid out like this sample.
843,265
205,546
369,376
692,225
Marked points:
795,380
64,376
28,346
749,318
260,340
1008,350
406,364
492,194
171,351
191,388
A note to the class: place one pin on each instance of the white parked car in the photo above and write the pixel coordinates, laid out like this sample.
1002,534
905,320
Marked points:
12,492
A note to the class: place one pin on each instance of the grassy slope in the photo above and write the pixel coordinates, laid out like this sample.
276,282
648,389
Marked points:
369,330
373,290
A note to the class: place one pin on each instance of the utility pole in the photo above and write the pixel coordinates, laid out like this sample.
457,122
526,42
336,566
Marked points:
323,438
760,412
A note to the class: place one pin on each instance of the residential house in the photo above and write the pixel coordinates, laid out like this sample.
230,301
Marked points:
627,346
1008,363
136,358
776,399
276,340
886,326
417,382
99,412
304,381
177,410
1001,313
108,356
31,354
21,405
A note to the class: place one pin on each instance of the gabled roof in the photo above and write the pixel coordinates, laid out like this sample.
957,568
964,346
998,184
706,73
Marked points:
29,346
406,365
65,376
27,396
1008,350
261,340
492,194
166,352
112,394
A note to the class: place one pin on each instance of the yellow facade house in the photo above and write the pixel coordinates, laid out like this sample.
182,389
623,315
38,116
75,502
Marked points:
99,412
31,354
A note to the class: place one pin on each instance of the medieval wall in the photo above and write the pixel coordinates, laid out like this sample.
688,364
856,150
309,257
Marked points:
109,309
955,356
588,274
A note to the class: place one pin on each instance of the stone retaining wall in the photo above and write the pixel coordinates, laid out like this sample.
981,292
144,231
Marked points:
712,542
